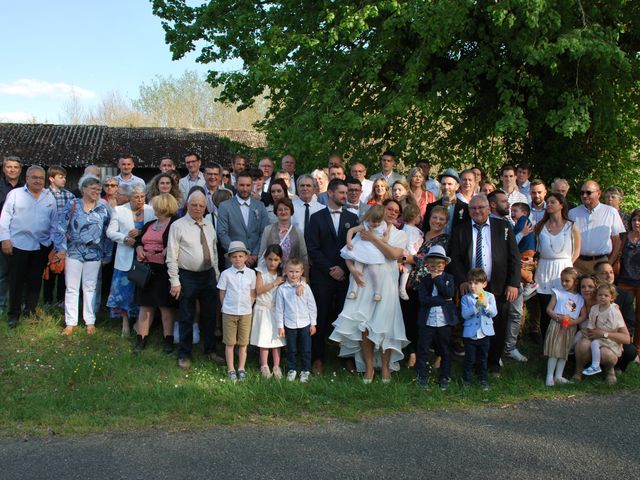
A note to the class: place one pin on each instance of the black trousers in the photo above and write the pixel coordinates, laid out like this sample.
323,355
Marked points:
25,279
329,299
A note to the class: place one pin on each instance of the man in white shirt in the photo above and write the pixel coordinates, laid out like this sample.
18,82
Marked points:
192,264
27,223
600,227
468,186
538,193
213,177
359,172
194,176
510,187
387,164
304,205
126,177
522,177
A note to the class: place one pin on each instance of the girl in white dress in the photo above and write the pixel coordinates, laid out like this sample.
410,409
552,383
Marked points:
566,310
264,331
364,255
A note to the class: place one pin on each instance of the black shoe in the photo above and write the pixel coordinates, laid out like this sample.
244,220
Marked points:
167,344
458,349
140,344
12,321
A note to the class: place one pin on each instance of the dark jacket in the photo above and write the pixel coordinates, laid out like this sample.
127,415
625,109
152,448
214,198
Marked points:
446,288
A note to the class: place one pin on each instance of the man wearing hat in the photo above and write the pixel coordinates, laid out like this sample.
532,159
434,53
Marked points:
192,263
458,211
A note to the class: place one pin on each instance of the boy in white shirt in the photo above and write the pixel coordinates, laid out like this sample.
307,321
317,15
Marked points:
237,287
296,319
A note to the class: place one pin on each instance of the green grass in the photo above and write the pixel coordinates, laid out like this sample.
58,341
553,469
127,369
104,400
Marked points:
50,384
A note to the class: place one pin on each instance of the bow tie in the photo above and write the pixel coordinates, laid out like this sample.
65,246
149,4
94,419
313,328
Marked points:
351,205
336,211
240,271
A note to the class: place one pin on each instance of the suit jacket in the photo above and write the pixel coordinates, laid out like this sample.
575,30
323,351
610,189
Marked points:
231,224
323,245
505,257
460,214
478,318
446,290
119,226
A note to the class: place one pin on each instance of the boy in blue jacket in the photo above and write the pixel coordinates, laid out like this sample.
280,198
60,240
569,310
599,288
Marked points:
436,317
478,309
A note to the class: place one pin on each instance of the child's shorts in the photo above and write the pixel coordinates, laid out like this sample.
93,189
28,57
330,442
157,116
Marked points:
236,329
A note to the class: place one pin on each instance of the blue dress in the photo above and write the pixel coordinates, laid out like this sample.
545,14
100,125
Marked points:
122,296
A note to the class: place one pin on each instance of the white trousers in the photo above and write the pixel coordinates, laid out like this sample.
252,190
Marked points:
75,274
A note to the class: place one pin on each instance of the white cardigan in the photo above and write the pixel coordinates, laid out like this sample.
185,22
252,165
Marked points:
119,226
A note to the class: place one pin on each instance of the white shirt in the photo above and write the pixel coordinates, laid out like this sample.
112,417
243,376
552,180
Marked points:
133,180
293,311
244,208
299,208
432,186
186,183
28,221
367,188
237,286
335,218
486,247
516,197
537,213
436,315
597,226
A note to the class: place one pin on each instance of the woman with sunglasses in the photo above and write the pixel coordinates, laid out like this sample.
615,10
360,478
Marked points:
110,187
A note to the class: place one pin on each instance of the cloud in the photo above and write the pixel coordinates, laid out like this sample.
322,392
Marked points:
17,117
26,87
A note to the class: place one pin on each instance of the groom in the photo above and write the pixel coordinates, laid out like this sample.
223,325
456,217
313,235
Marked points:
325,236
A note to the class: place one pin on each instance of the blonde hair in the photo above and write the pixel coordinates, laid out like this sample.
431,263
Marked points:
609,288
165,205
373,198
375,214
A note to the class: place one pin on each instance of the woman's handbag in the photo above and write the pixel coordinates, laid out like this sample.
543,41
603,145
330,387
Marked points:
139,274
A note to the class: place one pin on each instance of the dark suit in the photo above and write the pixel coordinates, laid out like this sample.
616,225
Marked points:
624,300
460,214
505,271
323,247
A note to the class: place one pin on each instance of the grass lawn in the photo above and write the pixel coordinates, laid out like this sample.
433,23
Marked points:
51,384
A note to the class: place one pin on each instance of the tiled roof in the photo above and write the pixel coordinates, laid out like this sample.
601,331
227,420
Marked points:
80,145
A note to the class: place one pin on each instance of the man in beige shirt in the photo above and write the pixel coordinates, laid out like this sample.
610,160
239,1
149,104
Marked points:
192,262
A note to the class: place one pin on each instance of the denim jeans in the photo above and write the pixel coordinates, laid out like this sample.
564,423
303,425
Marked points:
516,312
442,337
197,286
298,340
475,354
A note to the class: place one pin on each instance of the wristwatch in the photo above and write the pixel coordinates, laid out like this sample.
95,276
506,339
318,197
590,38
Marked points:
605,335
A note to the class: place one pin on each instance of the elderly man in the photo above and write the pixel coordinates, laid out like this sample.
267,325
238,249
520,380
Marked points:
27,224
243,218
305,205
600,227
468,186
192,263
288,164
126,177
194,177
11,169
489,244
266,167
561,186
359,172
387,164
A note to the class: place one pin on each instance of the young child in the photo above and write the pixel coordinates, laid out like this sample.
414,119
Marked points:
237,287
478,309
606,316
295,316
567,309
415,238
436,317
360,254
264,331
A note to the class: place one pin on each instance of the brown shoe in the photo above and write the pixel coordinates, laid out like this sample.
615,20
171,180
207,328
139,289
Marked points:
316,368
68,330
217,359
184,363
91,329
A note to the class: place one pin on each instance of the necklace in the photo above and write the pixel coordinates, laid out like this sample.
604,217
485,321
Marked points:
158,226
552,237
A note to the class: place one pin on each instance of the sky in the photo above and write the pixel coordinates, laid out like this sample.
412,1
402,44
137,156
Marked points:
50,50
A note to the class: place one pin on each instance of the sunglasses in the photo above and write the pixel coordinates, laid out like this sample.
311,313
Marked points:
587,192
226,175
110,185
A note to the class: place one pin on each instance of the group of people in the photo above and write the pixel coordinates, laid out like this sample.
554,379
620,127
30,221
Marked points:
385,266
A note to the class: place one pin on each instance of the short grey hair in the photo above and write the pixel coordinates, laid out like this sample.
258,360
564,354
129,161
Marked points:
11,158
125,189
35,167
87,181
318,172
307,176
138,188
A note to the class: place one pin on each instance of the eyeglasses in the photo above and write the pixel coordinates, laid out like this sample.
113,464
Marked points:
588,192
110,185
354,190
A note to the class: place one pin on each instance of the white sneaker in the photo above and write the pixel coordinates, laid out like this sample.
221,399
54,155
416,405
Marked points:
304,376
291,376
517,356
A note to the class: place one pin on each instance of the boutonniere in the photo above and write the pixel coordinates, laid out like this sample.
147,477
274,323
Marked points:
506,233
347,225
256,214
461,213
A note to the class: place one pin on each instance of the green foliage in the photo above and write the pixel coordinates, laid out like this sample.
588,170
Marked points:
554,83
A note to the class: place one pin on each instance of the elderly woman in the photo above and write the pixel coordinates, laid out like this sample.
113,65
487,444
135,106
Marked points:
151,248
110,187
278,190
126,222
164,183
613,197
321,179
365,326
285,234
81,236
437,221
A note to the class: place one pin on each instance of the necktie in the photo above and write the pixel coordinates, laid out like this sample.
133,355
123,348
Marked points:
479,262
206,253
306,216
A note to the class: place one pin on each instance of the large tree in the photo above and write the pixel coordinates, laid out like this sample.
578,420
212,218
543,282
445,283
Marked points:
555,83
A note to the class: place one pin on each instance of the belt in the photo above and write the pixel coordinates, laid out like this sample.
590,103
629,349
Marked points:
590,258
